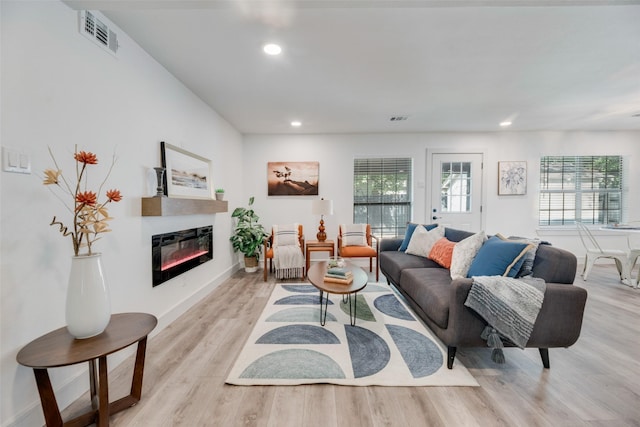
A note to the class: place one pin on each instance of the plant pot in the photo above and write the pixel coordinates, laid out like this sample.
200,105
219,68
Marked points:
88,308
219,196
250,264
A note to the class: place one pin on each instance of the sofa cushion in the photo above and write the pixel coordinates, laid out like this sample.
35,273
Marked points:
411,227
527,266
498,257
422,240
441,252
393,262
456,235
464,253
429,288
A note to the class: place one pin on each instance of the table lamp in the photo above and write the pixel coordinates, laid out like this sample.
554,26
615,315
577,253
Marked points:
322,207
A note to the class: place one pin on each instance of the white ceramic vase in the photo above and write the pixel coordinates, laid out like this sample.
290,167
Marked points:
88,308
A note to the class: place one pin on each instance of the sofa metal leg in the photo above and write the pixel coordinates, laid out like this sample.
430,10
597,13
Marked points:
451,355
544,354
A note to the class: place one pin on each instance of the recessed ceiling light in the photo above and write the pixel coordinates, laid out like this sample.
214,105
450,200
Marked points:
272,49
505,124
296,123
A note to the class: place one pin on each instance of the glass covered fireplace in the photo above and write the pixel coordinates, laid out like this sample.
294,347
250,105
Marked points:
180,251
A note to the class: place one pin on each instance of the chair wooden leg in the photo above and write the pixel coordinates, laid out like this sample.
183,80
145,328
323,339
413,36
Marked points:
264,272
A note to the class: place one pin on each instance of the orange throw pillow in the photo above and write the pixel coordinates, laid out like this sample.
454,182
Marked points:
442,251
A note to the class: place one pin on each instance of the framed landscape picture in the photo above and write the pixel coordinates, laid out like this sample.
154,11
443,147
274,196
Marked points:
293,178
512,178
187,175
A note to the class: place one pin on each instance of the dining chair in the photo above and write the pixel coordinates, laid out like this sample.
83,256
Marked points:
594,251
633,242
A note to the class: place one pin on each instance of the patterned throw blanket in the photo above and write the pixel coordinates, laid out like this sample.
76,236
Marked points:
287,255
288,262
509,306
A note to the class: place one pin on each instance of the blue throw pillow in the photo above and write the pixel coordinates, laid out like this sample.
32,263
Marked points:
411,227
498,257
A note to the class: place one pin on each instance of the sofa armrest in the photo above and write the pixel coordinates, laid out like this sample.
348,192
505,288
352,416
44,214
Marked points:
555,265
558,324
390,244
465,325
560,319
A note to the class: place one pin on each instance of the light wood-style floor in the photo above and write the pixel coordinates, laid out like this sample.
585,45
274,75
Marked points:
596,382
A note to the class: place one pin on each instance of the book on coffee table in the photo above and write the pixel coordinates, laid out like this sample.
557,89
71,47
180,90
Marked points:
343,281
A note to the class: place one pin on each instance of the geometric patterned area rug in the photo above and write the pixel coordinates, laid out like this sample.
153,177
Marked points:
387,347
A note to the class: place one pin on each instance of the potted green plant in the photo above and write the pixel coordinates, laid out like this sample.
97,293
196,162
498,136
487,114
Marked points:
219,193
247,236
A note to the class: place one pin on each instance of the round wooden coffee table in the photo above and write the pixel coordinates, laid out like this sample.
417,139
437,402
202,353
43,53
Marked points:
315,275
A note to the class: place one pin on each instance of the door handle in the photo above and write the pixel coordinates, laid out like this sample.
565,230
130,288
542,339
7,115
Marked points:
436,217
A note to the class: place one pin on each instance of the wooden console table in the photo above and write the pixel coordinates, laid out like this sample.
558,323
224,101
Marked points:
316,246
59,348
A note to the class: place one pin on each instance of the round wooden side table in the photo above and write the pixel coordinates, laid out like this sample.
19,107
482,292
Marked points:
59,348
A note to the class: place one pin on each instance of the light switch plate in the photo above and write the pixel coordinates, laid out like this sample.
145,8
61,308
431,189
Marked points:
16,161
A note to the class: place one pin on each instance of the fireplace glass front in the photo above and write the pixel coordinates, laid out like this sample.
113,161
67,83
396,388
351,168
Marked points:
180,251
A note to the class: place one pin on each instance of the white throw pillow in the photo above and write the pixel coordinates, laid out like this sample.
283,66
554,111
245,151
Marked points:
422,240
285,235
354,234
463,254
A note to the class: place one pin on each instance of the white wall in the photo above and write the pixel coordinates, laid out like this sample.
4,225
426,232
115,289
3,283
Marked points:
59,89
509,215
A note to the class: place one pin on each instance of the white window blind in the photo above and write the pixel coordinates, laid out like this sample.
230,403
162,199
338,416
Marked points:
588,189
382,194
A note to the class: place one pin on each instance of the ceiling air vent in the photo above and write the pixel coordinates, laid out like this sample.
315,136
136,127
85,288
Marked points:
93,28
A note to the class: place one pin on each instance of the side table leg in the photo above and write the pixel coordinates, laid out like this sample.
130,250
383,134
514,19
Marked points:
47,398
138,370
136,382
103,393
93,385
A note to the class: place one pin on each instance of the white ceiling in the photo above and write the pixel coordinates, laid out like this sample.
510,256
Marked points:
350,65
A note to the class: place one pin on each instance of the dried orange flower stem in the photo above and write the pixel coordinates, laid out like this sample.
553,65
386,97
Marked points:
89,216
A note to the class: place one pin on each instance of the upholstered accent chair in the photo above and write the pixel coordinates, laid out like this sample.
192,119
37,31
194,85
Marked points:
356,241
284,236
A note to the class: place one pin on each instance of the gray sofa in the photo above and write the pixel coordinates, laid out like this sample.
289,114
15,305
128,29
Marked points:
439,300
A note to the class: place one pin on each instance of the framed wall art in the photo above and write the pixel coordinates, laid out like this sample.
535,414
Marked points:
187,175
293,178
512,178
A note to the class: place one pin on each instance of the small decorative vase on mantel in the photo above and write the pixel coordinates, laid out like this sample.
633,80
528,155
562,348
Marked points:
88,309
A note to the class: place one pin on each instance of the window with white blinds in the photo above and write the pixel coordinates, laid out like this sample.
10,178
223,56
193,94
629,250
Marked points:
382,194
587,189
